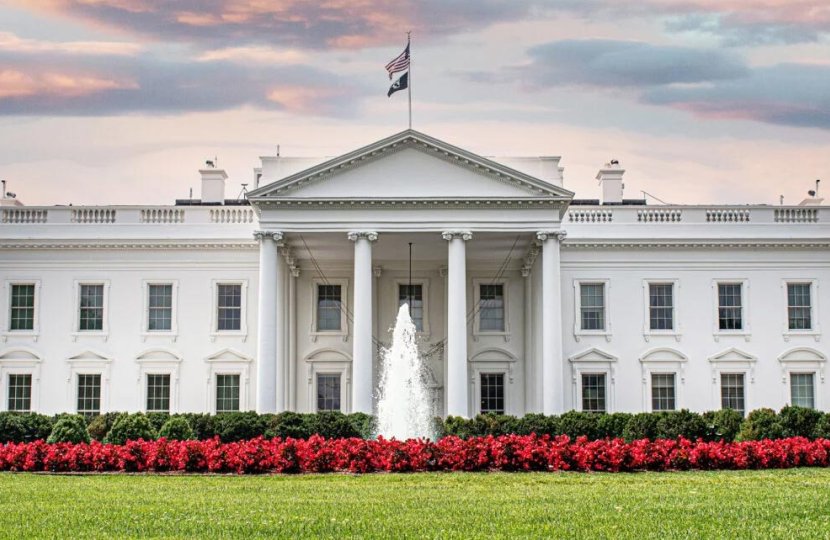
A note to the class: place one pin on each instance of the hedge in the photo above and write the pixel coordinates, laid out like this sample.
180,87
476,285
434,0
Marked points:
355,455
727,425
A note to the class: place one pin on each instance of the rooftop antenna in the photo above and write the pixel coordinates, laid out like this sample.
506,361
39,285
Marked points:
781,200
191,194
244,193
278,150
4,189
658,199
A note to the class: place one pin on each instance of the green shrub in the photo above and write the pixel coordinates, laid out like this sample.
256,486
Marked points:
24,427
724,424
131,427
673,424
177,429
287,424
157,419
364,424
331,425
70,428
823,426
612,425
578,424
641,426
201,424
539,424
798,421
101,424
239,426
761,424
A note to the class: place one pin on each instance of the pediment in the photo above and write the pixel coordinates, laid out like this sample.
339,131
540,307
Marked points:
493,355
803,355
409,165
663,354
20,355
158,355
89,356
328,354
229,355
593,355
732,355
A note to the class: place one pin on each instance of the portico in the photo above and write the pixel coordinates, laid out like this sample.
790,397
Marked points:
337,235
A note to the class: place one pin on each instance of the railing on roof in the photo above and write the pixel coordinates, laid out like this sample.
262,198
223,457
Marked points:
128,215
694,214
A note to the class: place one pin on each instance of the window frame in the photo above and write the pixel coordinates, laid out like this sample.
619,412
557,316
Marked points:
815,331
504,381
105,330
733,360
663,360
344,308
8,397
77,384
159,361
505,287
658,373
174,302
424,283
20,361
581,384
329,360
746,328
88,362
7,332
676,331
577,286
804,360
228,362
327,373
745,376
591,362
243,313
789,383
241,400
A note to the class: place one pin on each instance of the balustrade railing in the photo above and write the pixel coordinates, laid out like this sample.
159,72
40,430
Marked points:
162,215
24,215
231,215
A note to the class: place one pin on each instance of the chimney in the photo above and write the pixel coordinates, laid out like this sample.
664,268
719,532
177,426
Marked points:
610,178
213,185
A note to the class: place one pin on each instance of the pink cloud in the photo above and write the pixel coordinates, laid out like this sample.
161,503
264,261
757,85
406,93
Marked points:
15,84
13,43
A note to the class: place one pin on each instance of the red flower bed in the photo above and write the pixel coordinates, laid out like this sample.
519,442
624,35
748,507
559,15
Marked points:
504,453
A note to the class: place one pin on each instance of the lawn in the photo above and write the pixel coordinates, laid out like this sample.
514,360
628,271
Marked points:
748,504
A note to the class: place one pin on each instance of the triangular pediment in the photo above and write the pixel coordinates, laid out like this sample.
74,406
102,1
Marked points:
229,355
409,165
593,355
733,355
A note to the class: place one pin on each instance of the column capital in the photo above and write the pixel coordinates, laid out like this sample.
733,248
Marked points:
354,236
377,271
546,235
276,236
452,235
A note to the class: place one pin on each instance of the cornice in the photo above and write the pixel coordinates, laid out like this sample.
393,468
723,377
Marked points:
70,244
429,203
695,244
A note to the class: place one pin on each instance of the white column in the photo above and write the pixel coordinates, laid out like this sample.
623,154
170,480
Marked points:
267,320
292,340
456,395
552,369
362,387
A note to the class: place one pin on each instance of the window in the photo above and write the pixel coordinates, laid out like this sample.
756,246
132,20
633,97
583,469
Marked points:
732,391
329,307
160,307
414,296
20,393
802,390
328,392
661,306
730,307
229,307
492,393
158,393
89,394
491,308
22,307
593,392
592,306
662,392
91,315
227,393
799,306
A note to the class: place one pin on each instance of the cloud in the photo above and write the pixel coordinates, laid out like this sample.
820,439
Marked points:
338,24
45,85
786,94
614,64
12,43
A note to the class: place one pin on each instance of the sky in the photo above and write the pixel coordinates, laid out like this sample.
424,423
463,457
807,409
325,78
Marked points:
701,101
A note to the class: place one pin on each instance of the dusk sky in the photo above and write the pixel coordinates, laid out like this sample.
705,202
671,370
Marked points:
702,101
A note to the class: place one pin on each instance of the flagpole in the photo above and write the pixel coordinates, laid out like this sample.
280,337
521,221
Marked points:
409,86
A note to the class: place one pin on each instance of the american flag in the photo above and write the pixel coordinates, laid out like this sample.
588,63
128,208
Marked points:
400,63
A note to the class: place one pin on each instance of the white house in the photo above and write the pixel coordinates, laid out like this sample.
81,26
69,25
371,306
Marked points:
526,298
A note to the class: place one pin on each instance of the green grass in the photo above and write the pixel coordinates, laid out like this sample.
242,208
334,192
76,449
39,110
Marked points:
762,504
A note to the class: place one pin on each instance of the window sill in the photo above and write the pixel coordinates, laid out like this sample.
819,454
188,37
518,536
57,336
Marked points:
20,334
502,334
173,336
578,335
662,333
231,334
789,334
746,334
328,333
90,334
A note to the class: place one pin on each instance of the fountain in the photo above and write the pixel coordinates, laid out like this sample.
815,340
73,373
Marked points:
404,405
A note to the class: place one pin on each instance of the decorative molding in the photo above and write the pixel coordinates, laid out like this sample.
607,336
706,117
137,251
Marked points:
700,244
139,244
261,235
550,235
354,236
454,235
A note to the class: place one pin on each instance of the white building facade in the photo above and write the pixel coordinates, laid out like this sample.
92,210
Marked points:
526,299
